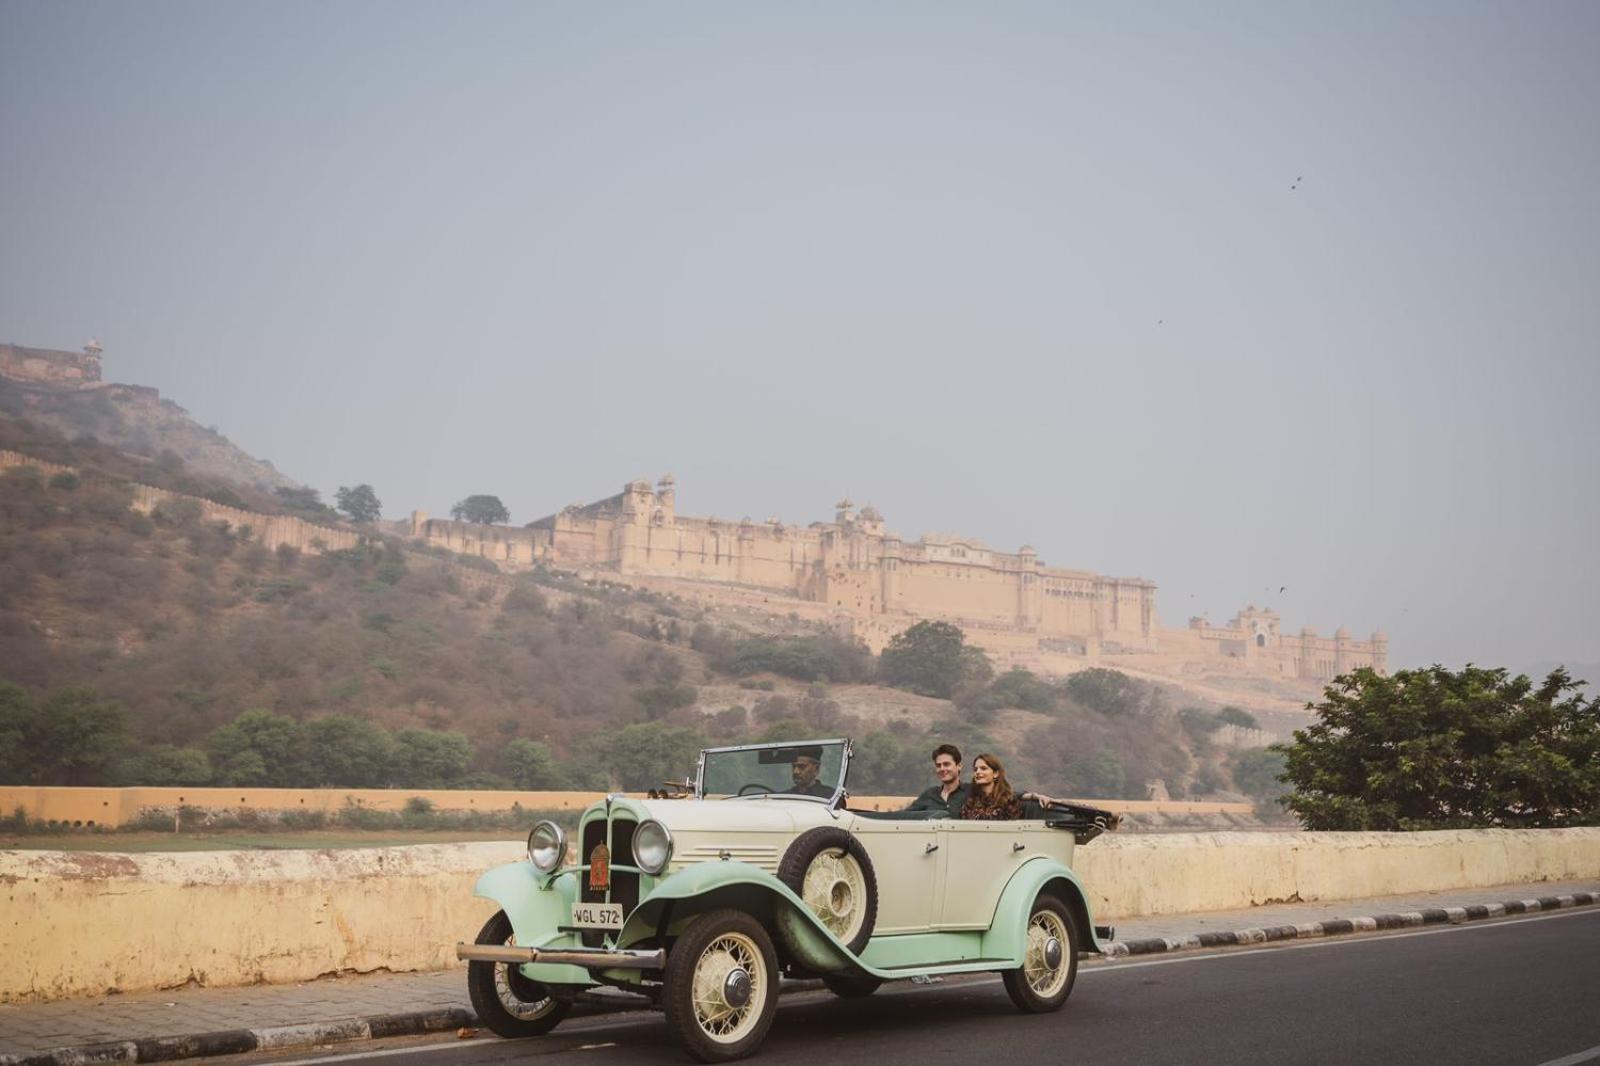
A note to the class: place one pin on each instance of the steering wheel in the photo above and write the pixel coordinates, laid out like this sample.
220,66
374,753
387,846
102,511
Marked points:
757,786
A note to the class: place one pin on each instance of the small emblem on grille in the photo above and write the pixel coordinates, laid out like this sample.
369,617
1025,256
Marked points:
600,867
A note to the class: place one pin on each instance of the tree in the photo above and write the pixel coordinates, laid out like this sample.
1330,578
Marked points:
644,755
360,503
16,719
72,738
427,758
882,766
1235,716
1106,691
165,765
929,658
305,501
529,764
1022,688
1435,749
345,751
1258,772
484,510
258,748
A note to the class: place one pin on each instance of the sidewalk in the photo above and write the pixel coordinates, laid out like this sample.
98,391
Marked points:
189,1022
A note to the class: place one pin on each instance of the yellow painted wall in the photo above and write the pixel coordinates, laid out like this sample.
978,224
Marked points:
118,806
113,807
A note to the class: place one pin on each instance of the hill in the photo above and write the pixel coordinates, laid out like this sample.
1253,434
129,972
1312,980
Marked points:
132,418
155,646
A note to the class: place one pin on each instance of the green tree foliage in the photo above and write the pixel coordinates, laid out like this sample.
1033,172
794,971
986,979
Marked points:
345,751
164,765
360,503
659,699
531,765
258,748
1258,772
1098,775
72,738
1022,688
484,510
817,657
643,755
427,758
1433,749
1106,691
930,658
882,766
1235,716
305,502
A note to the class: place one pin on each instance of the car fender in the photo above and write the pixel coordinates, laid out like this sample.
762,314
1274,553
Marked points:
706,886
537,905
1007,935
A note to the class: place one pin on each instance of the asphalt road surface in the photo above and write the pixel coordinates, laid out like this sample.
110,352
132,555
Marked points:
1520,992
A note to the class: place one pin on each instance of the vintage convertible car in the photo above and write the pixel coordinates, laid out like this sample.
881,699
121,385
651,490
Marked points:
704,902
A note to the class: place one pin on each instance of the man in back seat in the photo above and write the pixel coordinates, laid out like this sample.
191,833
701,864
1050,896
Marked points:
946,798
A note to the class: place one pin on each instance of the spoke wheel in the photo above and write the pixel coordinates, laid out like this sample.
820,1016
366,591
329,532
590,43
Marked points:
721,986
836,891
508,1003
830,871
1049,959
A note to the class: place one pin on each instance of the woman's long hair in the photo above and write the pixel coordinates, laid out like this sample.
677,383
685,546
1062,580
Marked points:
1000,792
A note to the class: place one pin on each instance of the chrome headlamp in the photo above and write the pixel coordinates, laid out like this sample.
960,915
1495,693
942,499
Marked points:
652,847
547,847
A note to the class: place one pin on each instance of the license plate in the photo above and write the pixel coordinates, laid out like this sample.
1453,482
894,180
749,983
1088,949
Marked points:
597,916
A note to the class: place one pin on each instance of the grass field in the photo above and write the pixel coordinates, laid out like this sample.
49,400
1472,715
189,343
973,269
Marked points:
240,840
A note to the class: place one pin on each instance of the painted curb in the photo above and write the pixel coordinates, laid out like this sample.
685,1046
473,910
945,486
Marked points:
272,1038
1121,949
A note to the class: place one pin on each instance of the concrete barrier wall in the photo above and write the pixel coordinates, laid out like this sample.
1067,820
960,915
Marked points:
75,923
1176,873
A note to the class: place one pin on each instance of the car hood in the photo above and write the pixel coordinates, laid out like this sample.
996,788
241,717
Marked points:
745,816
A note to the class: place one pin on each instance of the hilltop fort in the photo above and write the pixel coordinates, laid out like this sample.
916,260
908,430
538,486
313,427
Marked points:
865,579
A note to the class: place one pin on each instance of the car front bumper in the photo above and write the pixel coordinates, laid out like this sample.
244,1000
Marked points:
592,958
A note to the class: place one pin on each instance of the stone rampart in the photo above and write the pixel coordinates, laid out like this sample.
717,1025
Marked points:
270,530
77,924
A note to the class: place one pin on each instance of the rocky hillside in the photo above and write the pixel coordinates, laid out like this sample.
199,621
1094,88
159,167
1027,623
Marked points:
136,420
162,648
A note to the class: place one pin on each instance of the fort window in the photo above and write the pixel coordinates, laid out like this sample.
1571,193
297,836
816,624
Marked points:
1261,641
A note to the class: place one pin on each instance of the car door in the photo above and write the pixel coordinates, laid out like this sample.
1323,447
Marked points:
980,858
909,865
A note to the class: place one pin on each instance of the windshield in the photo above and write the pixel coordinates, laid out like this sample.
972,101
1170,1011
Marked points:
797,769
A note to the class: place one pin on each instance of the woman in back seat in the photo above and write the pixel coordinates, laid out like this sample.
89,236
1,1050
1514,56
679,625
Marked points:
992,797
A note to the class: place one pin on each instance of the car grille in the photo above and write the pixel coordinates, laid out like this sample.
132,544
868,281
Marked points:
624,883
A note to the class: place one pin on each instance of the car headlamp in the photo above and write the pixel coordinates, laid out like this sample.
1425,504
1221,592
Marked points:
547,847
652,847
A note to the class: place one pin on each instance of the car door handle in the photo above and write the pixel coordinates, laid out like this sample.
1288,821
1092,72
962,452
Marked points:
930,849
1018,846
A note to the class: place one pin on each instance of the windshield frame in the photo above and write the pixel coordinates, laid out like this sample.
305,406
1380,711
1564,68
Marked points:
838,788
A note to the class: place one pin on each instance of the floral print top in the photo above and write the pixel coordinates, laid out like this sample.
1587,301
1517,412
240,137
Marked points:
977,807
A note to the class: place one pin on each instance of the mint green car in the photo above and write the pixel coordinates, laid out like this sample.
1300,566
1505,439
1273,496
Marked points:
704,903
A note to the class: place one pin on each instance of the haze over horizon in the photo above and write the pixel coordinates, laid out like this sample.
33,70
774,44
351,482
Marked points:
1236,300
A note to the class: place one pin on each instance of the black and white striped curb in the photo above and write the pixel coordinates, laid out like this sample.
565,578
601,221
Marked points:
238,1041
1119,949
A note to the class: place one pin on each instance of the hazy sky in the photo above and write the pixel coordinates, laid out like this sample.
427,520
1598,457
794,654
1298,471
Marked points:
1228,296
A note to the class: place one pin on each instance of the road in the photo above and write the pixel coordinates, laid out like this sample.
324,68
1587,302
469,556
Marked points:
1519,991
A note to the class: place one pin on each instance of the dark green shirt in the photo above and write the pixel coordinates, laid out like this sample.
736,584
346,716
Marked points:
930,800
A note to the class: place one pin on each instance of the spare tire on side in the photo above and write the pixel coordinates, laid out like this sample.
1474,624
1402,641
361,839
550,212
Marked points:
829,869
